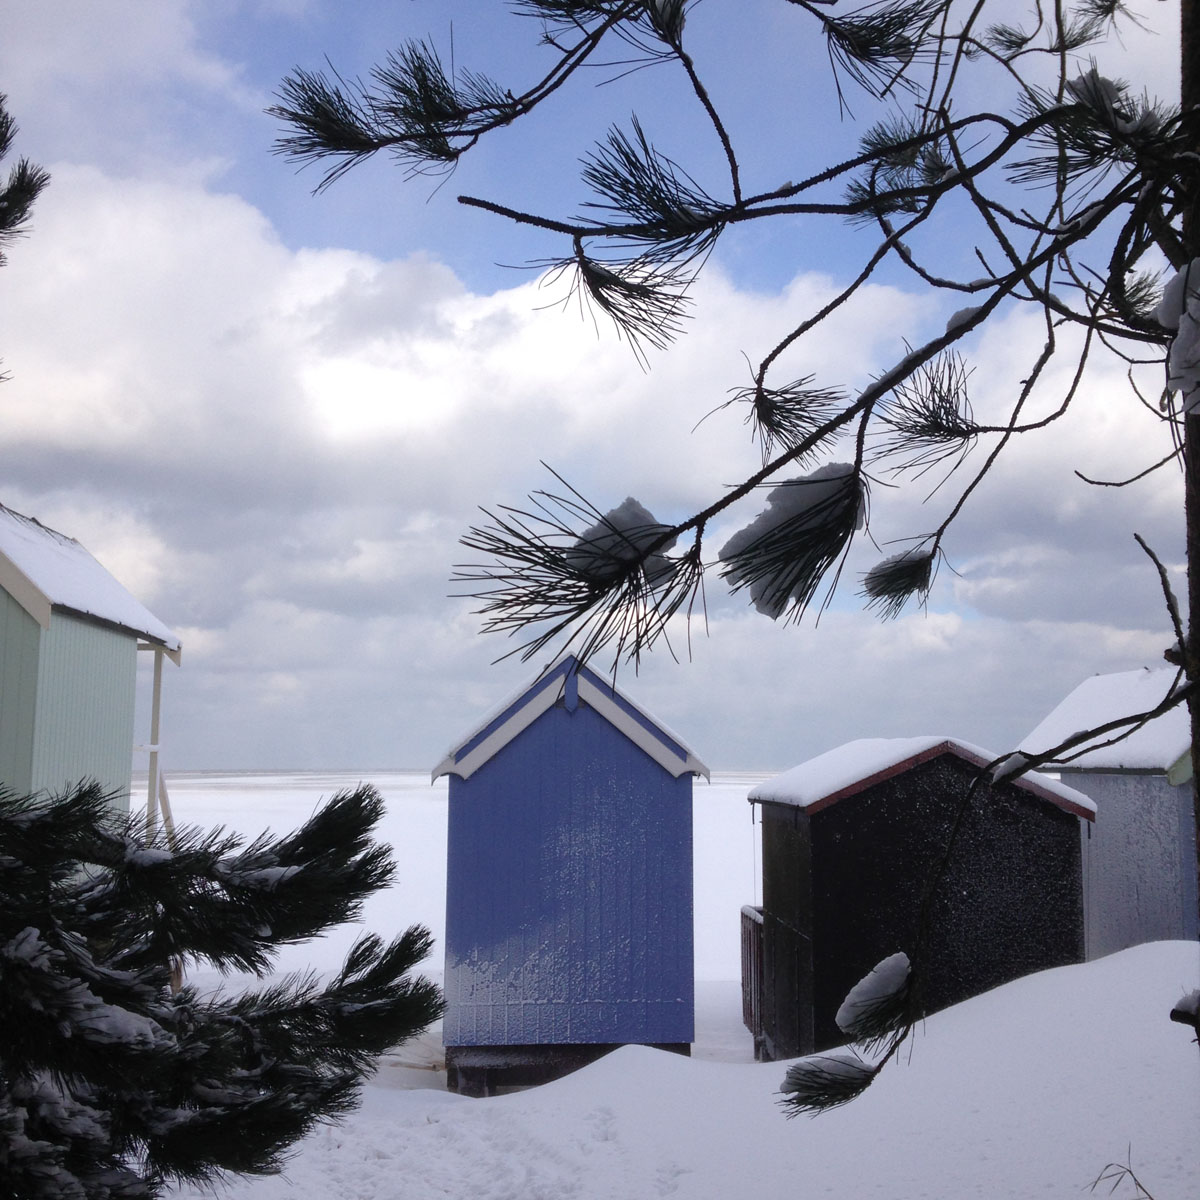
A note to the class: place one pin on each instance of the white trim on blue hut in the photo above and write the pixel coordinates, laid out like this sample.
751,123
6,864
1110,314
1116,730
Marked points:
571,681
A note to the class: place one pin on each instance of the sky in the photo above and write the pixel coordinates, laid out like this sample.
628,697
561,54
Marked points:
272,415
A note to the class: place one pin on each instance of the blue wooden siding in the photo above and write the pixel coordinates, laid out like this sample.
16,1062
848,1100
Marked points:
551,679
640,717
569,892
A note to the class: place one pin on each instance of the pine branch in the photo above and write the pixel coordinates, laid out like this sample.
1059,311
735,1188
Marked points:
879,1005
1089,21
24,183
890,584
572,14
907,163
877,44
645,300
580,574
782,418
256,897
1006,40
929,417
824,1081
414,110
785,553
111,1083
878,1015
1102,128
674,218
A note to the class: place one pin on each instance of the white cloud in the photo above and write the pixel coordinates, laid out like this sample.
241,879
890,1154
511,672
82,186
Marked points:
87,44
277,450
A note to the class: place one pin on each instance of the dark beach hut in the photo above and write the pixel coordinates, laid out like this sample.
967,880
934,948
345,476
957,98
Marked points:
1139,856
850,841
569,884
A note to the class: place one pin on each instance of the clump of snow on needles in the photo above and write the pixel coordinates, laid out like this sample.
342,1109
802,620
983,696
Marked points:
846,1070
803,503
964,316
622,535
1014,764
1179,309
885,980
1110,101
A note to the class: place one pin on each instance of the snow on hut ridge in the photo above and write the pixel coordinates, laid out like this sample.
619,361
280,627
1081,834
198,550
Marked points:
1161,745
855,766
44,569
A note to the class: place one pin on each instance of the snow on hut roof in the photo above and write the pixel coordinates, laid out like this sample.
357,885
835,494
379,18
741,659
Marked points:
568,677
43,569
1163,744
855,766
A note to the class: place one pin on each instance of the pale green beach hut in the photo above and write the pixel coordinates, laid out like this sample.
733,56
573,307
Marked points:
69,641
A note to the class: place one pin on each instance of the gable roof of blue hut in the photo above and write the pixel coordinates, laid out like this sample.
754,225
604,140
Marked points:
573,683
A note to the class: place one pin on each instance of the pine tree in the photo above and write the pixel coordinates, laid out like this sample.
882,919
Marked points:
19,190
112,1083
1076,195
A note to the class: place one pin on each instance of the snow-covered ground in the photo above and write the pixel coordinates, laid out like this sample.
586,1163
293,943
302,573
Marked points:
1030,1090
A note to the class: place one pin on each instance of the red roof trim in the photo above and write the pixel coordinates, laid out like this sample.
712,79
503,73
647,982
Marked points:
915,760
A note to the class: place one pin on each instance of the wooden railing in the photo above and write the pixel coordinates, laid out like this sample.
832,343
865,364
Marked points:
752,970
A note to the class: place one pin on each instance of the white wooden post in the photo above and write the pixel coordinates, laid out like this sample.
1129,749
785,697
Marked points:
164,806
155,711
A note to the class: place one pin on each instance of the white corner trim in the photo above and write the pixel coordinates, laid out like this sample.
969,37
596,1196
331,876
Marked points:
24,591
598,698
500,736
601,700
1180,771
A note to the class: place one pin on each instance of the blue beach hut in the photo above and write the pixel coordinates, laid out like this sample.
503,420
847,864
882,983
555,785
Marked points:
569,884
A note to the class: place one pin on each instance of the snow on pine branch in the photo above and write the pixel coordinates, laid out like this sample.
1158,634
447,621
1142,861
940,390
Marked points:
876,1014
607,583
877,1003
785,552
1179,311
622,536
824,1081
890,583
1110,101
